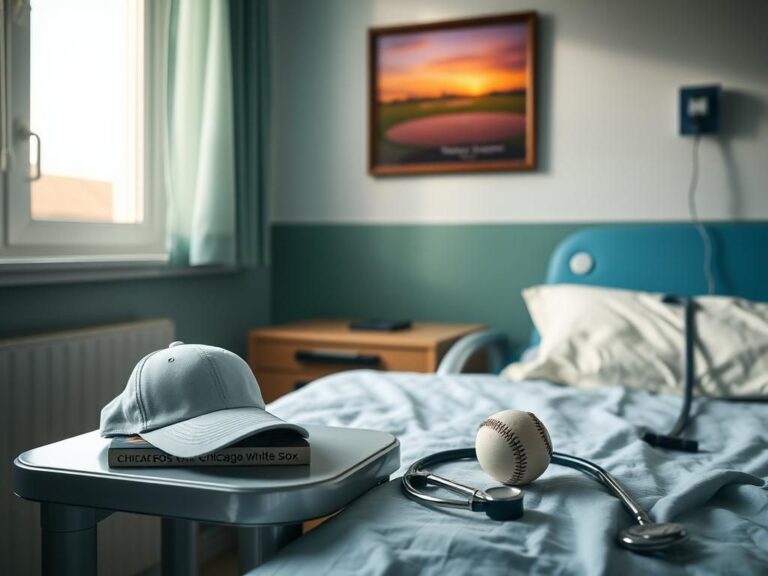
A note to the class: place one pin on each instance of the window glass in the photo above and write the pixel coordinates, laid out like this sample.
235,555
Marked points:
86,105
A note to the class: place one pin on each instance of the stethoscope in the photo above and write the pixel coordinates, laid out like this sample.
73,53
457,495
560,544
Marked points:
506,502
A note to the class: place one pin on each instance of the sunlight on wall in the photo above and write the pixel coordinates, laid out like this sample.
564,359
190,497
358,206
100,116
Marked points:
609,74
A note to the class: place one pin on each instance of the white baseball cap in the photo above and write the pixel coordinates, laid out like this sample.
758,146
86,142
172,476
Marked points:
189,400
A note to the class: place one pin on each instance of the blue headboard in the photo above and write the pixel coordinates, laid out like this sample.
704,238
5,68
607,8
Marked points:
668,258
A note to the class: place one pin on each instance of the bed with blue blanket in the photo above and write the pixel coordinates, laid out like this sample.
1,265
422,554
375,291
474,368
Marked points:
571,522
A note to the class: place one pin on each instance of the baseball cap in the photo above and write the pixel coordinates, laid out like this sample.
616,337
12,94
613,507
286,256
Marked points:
189,400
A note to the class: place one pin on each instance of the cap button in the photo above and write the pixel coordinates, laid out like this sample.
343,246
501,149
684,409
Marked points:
174,344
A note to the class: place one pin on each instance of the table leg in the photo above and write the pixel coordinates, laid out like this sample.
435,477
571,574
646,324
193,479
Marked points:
68,540
257,545
179,548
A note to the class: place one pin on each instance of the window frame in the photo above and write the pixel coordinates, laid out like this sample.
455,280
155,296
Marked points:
37,242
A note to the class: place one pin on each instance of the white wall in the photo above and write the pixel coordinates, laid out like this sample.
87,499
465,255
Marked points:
609,77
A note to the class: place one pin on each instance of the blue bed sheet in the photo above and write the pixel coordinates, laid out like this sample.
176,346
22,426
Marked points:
571,523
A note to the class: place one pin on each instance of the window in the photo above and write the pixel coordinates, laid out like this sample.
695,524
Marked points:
82,127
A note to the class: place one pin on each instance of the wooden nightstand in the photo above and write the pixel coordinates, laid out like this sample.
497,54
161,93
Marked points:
284,358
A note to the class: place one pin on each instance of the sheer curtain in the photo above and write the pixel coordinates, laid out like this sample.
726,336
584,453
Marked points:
200,140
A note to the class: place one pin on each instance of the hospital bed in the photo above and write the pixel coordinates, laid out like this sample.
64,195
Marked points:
570,521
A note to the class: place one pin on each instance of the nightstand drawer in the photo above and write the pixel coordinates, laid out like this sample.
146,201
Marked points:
322,357
276,384
284,357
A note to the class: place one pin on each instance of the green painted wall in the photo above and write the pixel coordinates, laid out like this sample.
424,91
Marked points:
213,309
462,273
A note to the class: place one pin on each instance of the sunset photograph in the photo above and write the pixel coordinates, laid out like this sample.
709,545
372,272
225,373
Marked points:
452,98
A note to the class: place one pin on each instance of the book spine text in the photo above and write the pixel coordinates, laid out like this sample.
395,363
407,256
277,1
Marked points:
241,456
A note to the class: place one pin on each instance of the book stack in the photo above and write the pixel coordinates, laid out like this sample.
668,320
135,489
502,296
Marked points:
273,448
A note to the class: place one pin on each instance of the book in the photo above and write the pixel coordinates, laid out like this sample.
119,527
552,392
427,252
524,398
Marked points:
273,448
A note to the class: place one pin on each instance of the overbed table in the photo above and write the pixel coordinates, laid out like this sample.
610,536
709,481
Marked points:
77,489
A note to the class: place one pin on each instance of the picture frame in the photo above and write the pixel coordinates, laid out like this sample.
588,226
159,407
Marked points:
454,96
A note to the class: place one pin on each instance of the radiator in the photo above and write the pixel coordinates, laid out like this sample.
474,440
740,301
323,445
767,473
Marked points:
51,387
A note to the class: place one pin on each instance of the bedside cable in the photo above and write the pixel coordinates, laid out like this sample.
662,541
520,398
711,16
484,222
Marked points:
693,212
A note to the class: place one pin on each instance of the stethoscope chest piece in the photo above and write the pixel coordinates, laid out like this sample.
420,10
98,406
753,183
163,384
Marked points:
503,503
652,537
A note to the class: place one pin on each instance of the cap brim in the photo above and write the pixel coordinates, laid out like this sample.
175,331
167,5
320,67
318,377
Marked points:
216,430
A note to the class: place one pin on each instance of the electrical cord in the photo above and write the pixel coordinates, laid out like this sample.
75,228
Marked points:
694,214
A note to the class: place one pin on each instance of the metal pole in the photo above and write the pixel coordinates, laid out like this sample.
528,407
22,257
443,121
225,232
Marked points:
68,540
179,548
257,545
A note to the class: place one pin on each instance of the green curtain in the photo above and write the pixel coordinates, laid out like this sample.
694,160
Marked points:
251,84
200,151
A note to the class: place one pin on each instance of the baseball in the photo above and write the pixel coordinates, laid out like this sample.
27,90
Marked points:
513,447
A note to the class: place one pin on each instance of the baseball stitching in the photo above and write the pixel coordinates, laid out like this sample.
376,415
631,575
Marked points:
521,464
542,432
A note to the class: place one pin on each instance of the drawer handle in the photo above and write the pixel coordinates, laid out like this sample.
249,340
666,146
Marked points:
333,357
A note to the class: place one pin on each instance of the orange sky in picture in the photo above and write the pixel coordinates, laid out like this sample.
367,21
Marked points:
462,62
433,83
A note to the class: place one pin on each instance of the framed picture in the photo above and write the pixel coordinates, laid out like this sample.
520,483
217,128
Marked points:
453,96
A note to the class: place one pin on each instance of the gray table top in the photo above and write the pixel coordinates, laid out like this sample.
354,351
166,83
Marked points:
345,463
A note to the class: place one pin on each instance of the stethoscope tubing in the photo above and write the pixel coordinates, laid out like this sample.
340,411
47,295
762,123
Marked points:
418,475
602,476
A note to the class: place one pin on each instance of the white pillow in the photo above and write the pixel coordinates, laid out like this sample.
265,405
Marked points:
593,337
